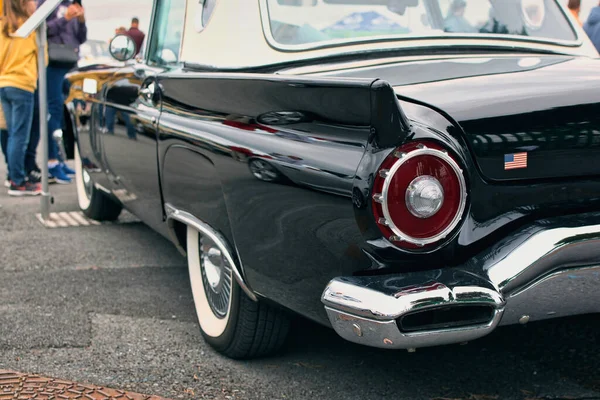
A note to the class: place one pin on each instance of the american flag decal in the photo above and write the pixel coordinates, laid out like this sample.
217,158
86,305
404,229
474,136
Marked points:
515,161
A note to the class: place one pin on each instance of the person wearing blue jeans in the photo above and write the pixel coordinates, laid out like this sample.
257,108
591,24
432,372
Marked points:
34,174
32,171
18,81
18,112
66,26
58,170
4,146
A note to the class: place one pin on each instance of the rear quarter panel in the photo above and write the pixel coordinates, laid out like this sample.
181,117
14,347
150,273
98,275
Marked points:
294,235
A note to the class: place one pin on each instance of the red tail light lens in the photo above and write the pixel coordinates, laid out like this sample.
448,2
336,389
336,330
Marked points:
419,195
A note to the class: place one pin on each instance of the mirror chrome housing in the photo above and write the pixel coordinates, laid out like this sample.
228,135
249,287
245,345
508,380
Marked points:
122,48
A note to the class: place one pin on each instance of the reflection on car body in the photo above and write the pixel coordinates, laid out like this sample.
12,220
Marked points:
353,161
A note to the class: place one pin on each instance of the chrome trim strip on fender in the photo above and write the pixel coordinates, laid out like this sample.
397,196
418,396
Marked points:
188,219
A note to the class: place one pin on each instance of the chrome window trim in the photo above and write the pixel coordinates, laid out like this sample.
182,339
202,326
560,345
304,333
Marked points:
337,43
386,185
151,34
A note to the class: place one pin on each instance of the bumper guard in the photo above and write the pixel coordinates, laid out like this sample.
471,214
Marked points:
542,272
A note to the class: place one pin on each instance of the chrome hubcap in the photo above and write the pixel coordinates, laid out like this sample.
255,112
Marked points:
263,171
216,277
88,185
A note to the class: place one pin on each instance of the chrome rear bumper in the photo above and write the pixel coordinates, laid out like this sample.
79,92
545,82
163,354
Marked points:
542,272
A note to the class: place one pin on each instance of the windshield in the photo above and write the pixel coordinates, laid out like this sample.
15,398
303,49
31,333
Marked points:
314,22
94,49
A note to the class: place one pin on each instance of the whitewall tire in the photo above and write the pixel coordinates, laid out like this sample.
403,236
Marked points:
212,323
93,202
229,320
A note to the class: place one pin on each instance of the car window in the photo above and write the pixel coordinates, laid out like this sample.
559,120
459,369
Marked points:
475,14
167,30
314,22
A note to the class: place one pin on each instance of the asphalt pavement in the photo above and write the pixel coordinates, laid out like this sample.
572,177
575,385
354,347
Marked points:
110,305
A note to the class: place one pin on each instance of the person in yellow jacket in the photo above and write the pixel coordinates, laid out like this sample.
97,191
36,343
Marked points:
18,82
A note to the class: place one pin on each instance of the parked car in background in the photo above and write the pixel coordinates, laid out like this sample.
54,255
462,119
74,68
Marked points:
94,52
410,173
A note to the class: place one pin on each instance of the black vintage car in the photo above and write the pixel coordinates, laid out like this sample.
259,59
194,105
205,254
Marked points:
409,172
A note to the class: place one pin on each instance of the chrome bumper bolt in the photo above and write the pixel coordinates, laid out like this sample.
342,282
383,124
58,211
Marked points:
357,330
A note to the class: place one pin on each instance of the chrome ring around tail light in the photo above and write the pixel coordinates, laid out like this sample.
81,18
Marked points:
381,198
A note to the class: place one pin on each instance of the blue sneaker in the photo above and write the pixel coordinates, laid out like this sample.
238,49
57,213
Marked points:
67,170
58,174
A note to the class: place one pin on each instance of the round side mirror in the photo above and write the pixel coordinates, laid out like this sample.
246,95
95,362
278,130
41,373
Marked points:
122,48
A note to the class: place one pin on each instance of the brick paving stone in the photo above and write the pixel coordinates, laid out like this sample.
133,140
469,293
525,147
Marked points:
20,386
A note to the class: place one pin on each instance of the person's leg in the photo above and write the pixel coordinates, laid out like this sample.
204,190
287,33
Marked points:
56,100
7,109
110,117
56,78
20,116
4,144
34,139
66,87
131,132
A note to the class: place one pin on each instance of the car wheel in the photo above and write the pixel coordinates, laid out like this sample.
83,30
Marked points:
230,321
94,203
264,171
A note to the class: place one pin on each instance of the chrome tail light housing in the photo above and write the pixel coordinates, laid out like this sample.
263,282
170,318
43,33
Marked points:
419,195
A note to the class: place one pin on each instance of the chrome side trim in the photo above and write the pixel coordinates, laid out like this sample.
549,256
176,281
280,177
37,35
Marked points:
188,219
102,188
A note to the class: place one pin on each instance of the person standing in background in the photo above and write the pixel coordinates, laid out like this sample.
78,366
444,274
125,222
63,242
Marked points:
67,27
592,27
455,21
137,35
18,82
575,8
3,132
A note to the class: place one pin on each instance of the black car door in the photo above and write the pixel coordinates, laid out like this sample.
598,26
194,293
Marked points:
132,109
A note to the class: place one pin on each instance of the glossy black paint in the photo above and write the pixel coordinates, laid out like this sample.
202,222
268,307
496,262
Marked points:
129,143
292,235
326,136
87,117
548,106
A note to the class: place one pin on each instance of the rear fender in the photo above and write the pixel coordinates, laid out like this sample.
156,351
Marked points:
312,131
